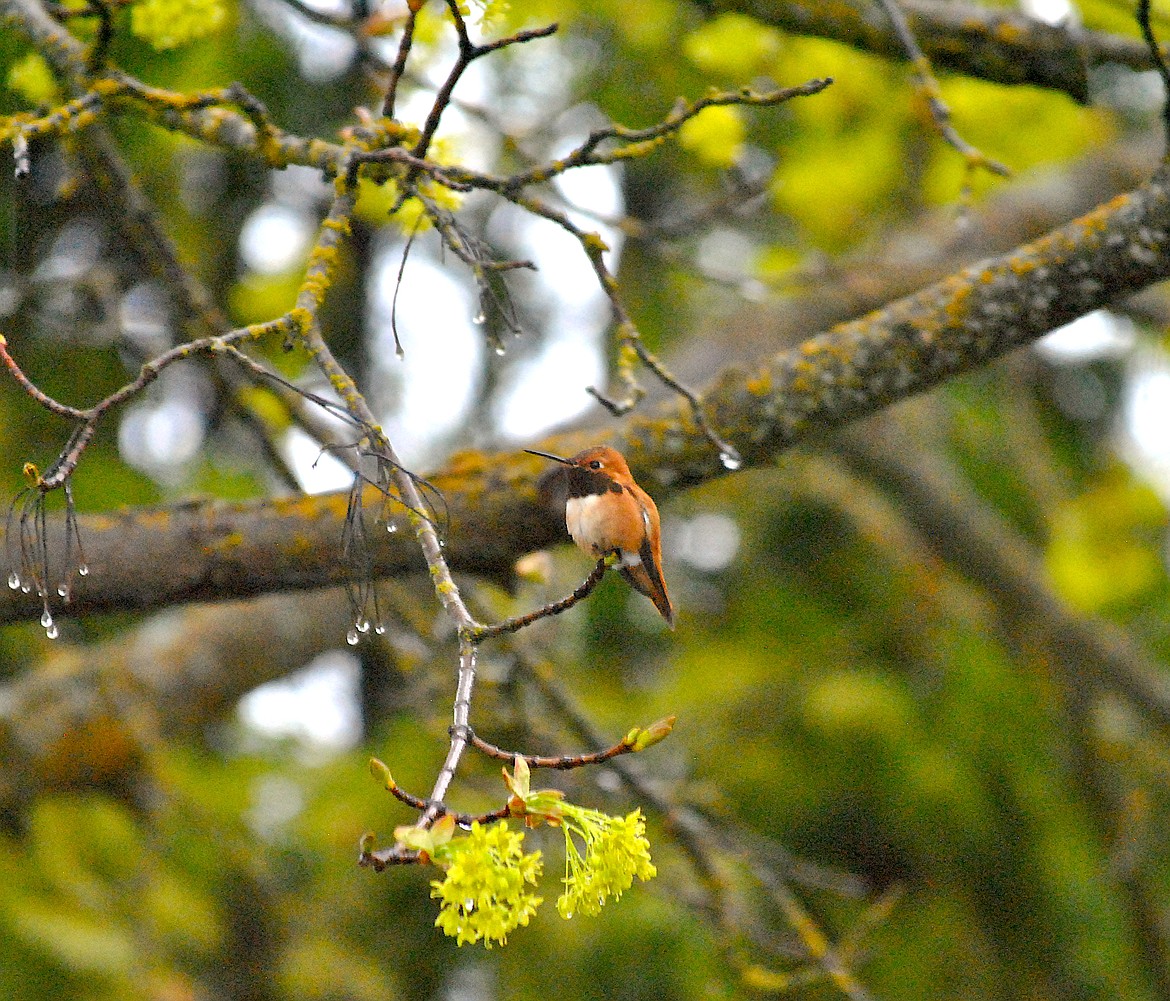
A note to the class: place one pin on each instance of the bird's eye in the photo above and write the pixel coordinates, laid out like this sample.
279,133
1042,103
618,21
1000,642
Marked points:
595,464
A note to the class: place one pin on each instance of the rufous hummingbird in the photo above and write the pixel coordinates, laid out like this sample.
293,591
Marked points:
607,512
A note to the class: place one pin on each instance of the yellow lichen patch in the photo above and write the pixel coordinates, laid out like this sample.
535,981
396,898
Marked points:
760,384
159,518
1098,220
338,225
106,87
957,304
299,545
1020,264
310,508
233,540
466,462
89,753
1008,33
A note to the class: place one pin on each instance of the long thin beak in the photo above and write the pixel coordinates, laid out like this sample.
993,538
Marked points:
549,455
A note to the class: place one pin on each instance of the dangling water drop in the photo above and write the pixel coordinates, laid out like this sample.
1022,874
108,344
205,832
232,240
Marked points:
51,632
363,625
380,629
14,581
83,569
25,587
352,636
731,459
479,319
391,527
62,591
46,618
501,350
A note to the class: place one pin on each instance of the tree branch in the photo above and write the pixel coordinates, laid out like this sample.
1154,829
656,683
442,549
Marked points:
149,559
999,45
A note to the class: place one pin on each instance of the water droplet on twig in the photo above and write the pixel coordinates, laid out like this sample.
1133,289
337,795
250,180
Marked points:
352,636
52,632
46,618
14,581
731,459
380,629
479,319
83,569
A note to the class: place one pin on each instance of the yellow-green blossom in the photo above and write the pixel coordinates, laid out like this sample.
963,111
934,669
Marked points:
31,78
487,889
616,850
166,24
376,200
716,135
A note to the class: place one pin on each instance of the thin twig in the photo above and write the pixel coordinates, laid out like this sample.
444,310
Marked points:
481,633
929,89
468,53
560,762
399,67
1143,17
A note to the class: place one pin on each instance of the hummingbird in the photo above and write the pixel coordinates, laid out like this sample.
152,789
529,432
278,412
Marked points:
607,512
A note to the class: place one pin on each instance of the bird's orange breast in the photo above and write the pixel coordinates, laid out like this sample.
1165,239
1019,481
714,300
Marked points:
601,523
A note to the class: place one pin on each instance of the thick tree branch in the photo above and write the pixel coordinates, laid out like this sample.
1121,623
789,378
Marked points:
150,559
89,715
902,259
996,44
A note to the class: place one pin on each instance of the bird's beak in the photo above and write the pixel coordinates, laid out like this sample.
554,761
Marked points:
549,455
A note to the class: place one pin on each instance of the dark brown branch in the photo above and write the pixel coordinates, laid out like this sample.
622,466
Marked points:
1147,29
399,68
63,468
583,590
468,53
561,762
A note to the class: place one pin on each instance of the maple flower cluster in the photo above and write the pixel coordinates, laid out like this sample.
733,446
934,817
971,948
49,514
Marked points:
487,891
488,886
616,850
167,24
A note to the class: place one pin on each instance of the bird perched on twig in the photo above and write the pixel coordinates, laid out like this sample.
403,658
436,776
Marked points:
607,512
